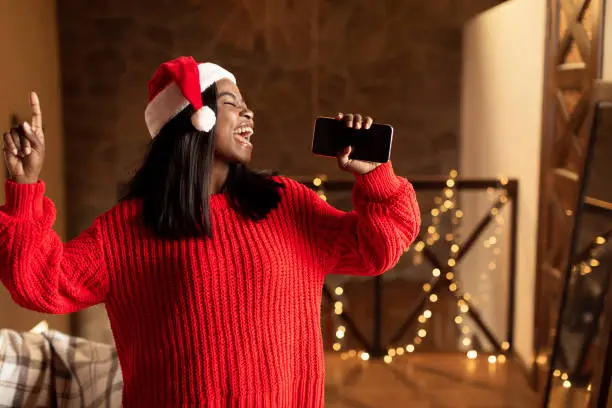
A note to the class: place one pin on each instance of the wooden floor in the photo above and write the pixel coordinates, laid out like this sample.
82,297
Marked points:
426,380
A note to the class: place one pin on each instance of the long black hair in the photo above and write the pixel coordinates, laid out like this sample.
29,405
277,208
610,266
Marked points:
174,181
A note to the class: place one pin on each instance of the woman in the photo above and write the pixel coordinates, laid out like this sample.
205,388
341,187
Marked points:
211,273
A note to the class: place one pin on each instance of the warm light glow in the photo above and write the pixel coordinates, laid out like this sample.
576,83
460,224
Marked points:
503,180
450,183
450,276
400,351
391,352
417,340
589,387
557,373
426,287
433,298
448,193
564,376
427,314
422,333
317,182
337,346
459,214
541,359
472,354
453,173
410,348
431,229
338,305
464,308
594,263
455,248
435,212
458,319
342,328
449,237
600,240
492,266
567,384
435,272
344,356
422,319
388,359
339,291
452,287
323,197
467,296
365,356
467,342
340,334
465,329
352,353
452,262
448,204
419,246
338,311
492,359
505,346
501,359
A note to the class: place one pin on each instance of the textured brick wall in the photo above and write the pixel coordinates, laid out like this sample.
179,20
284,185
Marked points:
397,60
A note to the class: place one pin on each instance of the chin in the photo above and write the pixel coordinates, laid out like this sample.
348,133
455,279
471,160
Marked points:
239,159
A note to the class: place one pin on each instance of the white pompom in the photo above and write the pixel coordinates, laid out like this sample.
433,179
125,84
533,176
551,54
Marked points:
204,119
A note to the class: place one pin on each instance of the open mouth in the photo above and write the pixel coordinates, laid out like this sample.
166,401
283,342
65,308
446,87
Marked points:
243,134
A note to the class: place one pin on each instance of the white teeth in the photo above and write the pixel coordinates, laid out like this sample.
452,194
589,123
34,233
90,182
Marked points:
245,132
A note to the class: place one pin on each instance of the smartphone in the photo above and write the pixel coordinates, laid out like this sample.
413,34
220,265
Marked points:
331,136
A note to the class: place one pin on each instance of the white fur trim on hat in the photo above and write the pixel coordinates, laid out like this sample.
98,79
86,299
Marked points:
170,101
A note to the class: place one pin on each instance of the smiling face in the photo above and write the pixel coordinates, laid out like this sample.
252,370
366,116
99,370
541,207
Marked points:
234,126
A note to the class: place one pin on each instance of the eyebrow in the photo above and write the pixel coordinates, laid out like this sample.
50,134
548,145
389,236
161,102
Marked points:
227,94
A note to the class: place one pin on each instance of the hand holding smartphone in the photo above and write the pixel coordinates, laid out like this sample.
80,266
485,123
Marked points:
332,136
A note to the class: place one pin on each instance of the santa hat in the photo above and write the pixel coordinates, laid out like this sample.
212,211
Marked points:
177,84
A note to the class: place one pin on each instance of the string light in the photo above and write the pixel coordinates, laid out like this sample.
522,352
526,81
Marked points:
592,262
340,331
446,203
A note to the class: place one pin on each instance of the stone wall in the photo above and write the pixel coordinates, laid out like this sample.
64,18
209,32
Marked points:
397,60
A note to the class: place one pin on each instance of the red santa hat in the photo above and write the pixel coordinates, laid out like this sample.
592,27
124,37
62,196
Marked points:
177,84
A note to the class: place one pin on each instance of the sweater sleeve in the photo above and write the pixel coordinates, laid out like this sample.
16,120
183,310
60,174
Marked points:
40,272
370,239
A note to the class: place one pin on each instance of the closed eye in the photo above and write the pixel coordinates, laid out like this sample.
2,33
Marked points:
230,103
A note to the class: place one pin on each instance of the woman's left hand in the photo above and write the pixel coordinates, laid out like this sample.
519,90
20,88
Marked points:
355,121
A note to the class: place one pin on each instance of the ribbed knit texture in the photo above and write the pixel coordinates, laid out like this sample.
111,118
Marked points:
228,321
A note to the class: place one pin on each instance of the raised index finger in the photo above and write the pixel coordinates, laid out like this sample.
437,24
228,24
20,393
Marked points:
36,112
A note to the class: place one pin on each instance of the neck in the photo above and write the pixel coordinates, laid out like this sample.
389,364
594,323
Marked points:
218,176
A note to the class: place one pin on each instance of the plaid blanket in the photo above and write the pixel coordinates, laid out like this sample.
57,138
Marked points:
51,369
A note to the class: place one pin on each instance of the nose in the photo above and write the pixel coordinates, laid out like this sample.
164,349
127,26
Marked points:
247,113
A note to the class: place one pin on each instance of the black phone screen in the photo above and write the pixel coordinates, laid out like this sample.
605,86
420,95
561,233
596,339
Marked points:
331,136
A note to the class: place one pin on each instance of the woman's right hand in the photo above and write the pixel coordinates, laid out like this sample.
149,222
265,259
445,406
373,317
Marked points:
24,147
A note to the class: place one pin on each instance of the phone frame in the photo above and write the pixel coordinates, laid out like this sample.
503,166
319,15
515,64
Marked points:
314,127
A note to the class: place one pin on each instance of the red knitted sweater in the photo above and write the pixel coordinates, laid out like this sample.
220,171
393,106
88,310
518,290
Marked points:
228,321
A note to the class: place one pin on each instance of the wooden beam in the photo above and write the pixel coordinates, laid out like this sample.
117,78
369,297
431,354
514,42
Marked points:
603,91
571,77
